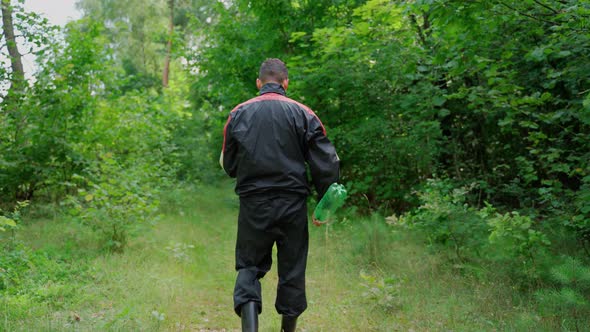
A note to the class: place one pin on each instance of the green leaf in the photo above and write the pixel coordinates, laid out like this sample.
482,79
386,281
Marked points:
438,101
7,221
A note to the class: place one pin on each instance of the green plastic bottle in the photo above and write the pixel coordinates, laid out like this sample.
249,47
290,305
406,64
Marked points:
332,201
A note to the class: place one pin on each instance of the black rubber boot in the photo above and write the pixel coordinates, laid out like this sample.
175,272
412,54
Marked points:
288,324
249,316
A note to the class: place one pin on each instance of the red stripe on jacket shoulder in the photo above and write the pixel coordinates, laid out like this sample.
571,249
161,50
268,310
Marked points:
276,96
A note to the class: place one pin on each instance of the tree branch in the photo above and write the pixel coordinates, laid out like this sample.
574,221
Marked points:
536,18
546,6
419,29
525,14
27,53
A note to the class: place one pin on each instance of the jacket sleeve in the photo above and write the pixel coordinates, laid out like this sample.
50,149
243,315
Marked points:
321,156
229,150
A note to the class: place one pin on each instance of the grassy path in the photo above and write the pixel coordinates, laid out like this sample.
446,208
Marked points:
178,276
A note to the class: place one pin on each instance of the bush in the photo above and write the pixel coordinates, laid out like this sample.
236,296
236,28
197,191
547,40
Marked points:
115,201
511,244
509,240
446,220
514,234
518,249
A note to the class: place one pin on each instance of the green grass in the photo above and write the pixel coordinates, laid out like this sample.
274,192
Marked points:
182,271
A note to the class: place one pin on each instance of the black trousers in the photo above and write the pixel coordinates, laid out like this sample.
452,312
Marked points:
265,220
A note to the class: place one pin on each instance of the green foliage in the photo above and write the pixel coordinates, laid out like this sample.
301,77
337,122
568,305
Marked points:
381,292
136,33
570,303
193,138
515,244
446,219
31,277
10,219
82,130
491,95
14,262
5,221
580,221
116,201
33,34
40,153
514,234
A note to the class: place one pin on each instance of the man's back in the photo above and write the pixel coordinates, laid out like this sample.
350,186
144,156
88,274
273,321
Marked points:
268,142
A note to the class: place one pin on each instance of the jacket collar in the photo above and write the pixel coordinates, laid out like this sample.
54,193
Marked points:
273,88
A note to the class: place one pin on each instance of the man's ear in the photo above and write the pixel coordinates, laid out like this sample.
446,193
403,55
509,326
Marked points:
258,84
285,84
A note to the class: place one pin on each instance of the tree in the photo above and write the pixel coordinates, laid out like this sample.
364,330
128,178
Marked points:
136,31
18,73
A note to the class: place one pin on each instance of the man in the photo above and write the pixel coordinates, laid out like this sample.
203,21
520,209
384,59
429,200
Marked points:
267,142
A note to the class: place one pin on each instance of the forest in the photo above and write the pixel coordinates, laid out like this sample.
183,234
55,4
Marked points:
463,130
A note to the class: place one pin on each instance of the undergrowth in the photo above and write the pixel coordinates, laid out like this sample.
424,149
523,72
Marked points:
364,274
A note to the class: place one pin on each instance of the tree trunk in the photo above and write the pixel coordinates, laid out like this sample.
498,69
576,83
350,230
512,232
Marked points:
18,73
166,73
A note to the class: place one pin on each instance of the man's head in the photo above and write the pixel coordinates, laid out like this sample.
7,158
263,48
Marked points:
273,71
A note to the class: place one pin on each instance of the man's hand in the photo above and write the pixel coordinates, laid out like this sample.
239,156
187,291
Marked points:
317,222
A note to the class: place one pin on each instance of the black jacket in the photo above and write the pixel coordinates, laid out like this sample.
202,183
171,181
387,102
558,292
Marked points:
268,140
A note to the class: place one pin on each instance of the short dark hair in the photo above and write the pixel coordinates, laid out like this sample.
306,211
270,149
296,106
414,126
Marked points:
273,70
